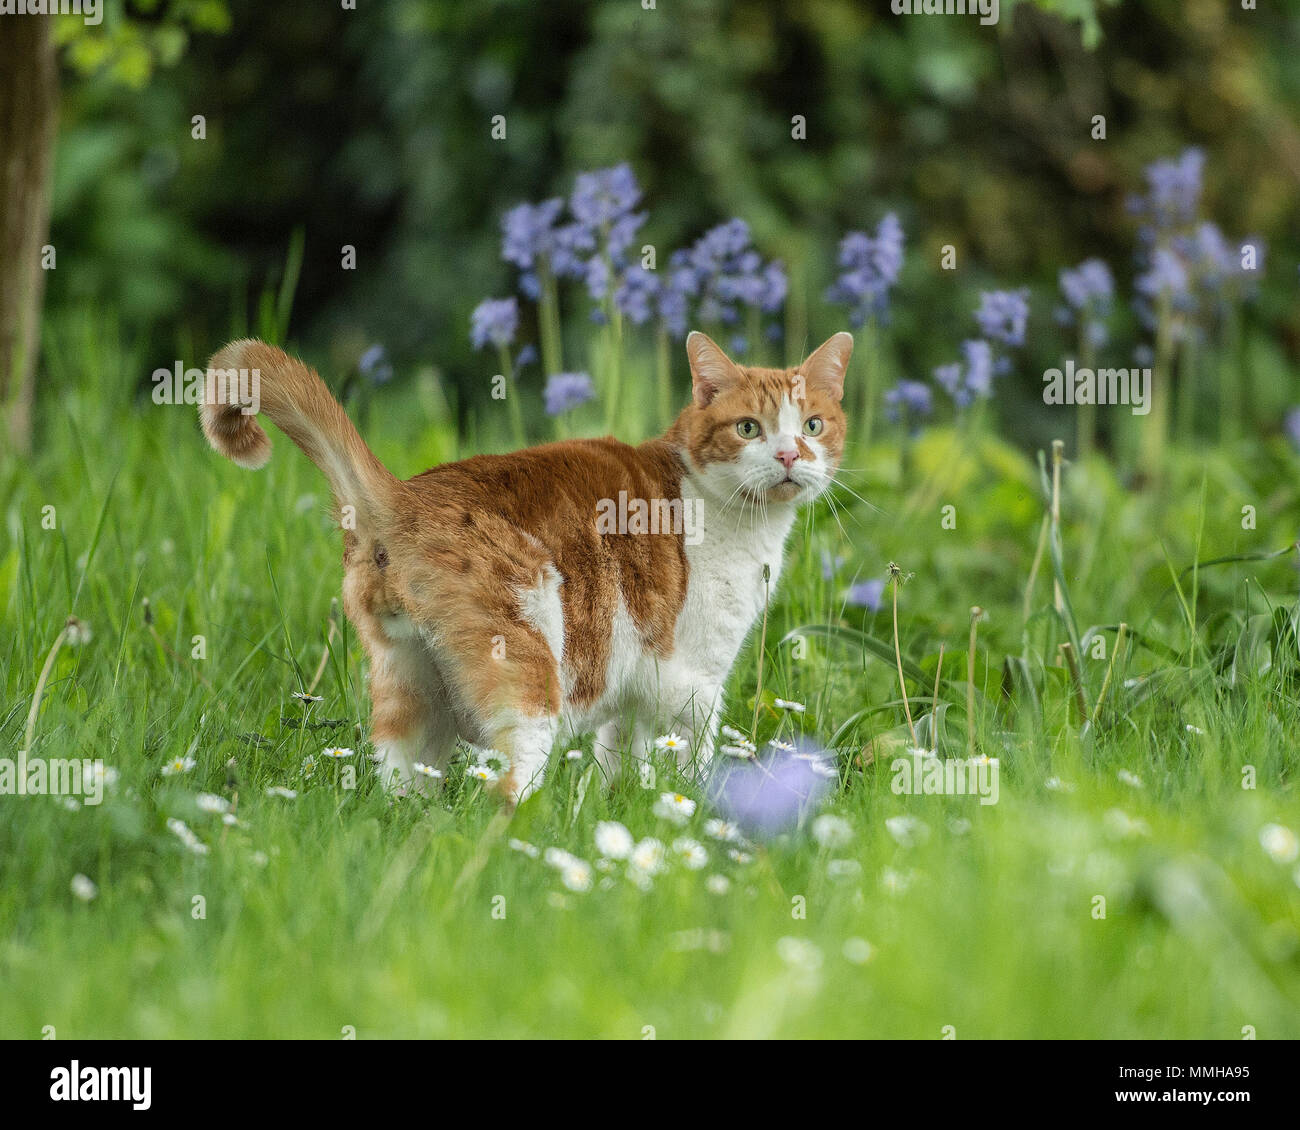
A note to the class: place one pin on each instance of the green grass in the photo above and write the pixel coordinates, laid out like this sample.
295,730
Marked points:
341,909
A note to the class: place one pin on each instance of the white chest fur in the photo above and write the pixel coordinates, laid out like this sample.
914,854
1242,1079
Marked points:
725,587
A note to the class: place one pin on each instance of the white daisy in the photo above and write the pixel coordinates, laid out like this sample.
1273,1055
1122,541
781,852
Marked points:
722,830
895,882
481,772
523,846
229,819
282,792
647,857
303,696
208,802
832,831
76,632
1280,843
672,742
799,953
738,856
734,734
185,834
1130,779
783,747
105,775
907,830
308,765
426,770
693,853
573,755
178,765
336,752
613,840
742,751
793,707
674,807
577,876
84,887
559,858
857,950
1194,729
717,884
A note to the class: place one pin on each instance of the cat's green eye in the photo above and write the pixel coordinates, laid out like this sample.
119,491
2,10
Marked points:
749,429
813,426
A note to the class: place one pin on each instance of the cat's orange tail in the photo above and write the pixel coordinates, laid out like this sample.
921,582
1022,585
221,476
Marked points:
249,376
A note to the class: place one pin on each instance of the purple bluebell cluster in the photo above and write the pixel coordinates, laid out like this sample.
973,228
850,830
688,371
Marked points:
565,391
720,273
1089,291
1182,260
772,796
866,594
494,322
870,266
911,401
374,365
971,378
1291,425
1003,316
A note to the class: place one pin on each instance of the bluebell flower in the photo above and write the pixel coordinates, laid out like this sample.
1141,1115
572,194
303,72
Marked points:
739,344
830,564
1292,427
635,294
1089,291
494,322
1003,316
565,391
769,798
870,269
866,594
528,232
374,365
908,398
527,356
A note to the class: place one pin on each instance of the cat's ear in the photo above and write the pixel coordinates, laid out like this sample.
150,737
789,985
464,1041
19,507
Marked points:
827,364
711,369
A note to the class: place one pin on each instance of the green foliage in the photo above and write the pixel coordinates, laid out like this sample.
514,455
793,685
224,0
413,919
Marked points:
338,908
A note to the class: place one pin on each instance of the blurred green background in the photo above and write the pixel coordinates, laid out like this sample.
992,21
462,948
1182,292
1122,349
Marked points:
372,128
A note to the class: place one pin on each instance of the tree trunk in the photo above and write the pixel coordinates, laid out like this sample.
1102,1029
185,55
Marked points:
29,99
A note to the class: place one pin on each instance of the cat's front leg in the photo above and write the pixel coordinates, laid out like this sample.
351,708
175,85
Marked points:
694,714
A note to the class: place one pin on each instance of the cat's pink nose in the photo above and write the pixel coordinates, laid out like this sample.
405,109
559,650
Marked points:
788,457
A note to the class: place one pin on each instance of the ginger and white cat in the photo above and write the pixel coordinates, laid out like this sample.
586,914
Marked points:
493,600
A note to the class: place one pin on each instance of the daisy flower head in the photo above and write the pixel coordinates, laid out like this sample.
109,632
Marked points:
576,875
782,747
694,855
647,857
1130,779
785,704
722,830
337,752
744,752
673,742
907,830
427,770
524,847
83,887
832,831
213,804
281,792
481,773
573,755
307,699
613,840
178,765
1280,843
674,807
717,884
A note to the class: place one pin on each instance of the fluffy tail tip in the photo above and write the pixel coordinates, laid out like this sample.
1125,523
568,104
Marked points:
230,403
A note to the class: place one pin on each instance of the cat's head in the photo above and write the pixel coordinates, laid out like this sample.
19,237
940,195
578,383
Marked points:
764,435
